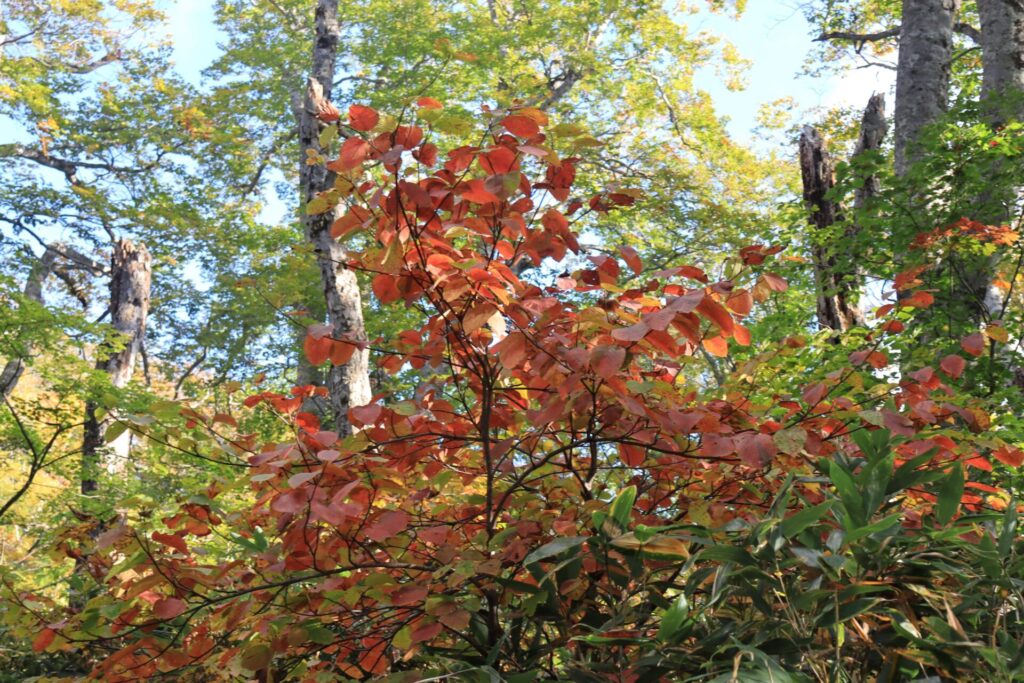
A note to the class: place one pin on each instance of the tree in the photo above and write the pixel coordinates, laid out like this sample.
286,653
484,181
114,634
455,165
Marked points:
556,501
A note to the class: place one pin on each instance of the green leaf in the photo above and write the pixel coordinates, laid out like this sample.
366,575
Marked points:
847,490
790,440
830,616
554,548
673,619
622,507
726,553
115,430
794,524
256,657
951,490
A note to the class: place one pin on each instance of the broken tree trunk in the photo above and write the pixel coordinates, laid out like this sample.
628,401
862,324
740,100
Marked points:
873,128
922,72
130,279
348,384
834,302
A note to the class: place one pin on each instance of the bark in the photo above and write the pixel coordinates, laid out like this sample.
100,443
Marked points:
834,303
922,72
873,128
349,384
130,278
1002,47
1002,44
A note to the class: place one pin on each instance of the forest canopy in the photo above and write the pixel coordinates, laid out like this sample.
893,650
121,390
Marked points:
424,340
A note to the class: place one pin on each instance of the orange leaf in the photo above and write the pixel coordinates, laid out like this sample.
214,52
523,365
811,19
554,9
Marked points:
341,352
317,348
172,540
362,117
523,126
477,194
43,640
354,151
428,103
632,259
717,346
477,316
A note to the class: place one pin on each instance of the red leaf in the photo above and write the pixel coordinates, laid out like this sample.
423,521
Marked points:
428,103
1013,457
973,344
168,608
290,501
43,640
953,365
367,414
408,136
499,160
387,525
427,154
172,540
631,456
632,259
362,117
755,450
409,595
523,126
354,151
633,333
606,360
774,282
427,632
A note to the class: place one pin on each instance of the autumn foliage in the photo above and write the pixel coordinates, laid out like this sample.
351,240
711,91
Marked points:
561,497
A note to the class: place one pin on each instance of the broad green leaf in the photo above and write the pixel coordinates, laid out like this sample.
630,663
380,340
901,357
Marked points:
951,490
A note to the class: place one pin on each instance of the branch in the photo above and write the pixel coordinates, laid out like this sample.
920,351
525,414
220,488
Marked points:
960,27
66,166
859,37
83,67
250,187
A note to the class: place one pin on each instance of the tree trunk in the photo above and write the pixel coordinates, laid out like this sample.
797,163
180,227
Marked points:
349,384
1002,44
1002,48
834,307
922,72
130,278
873,128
